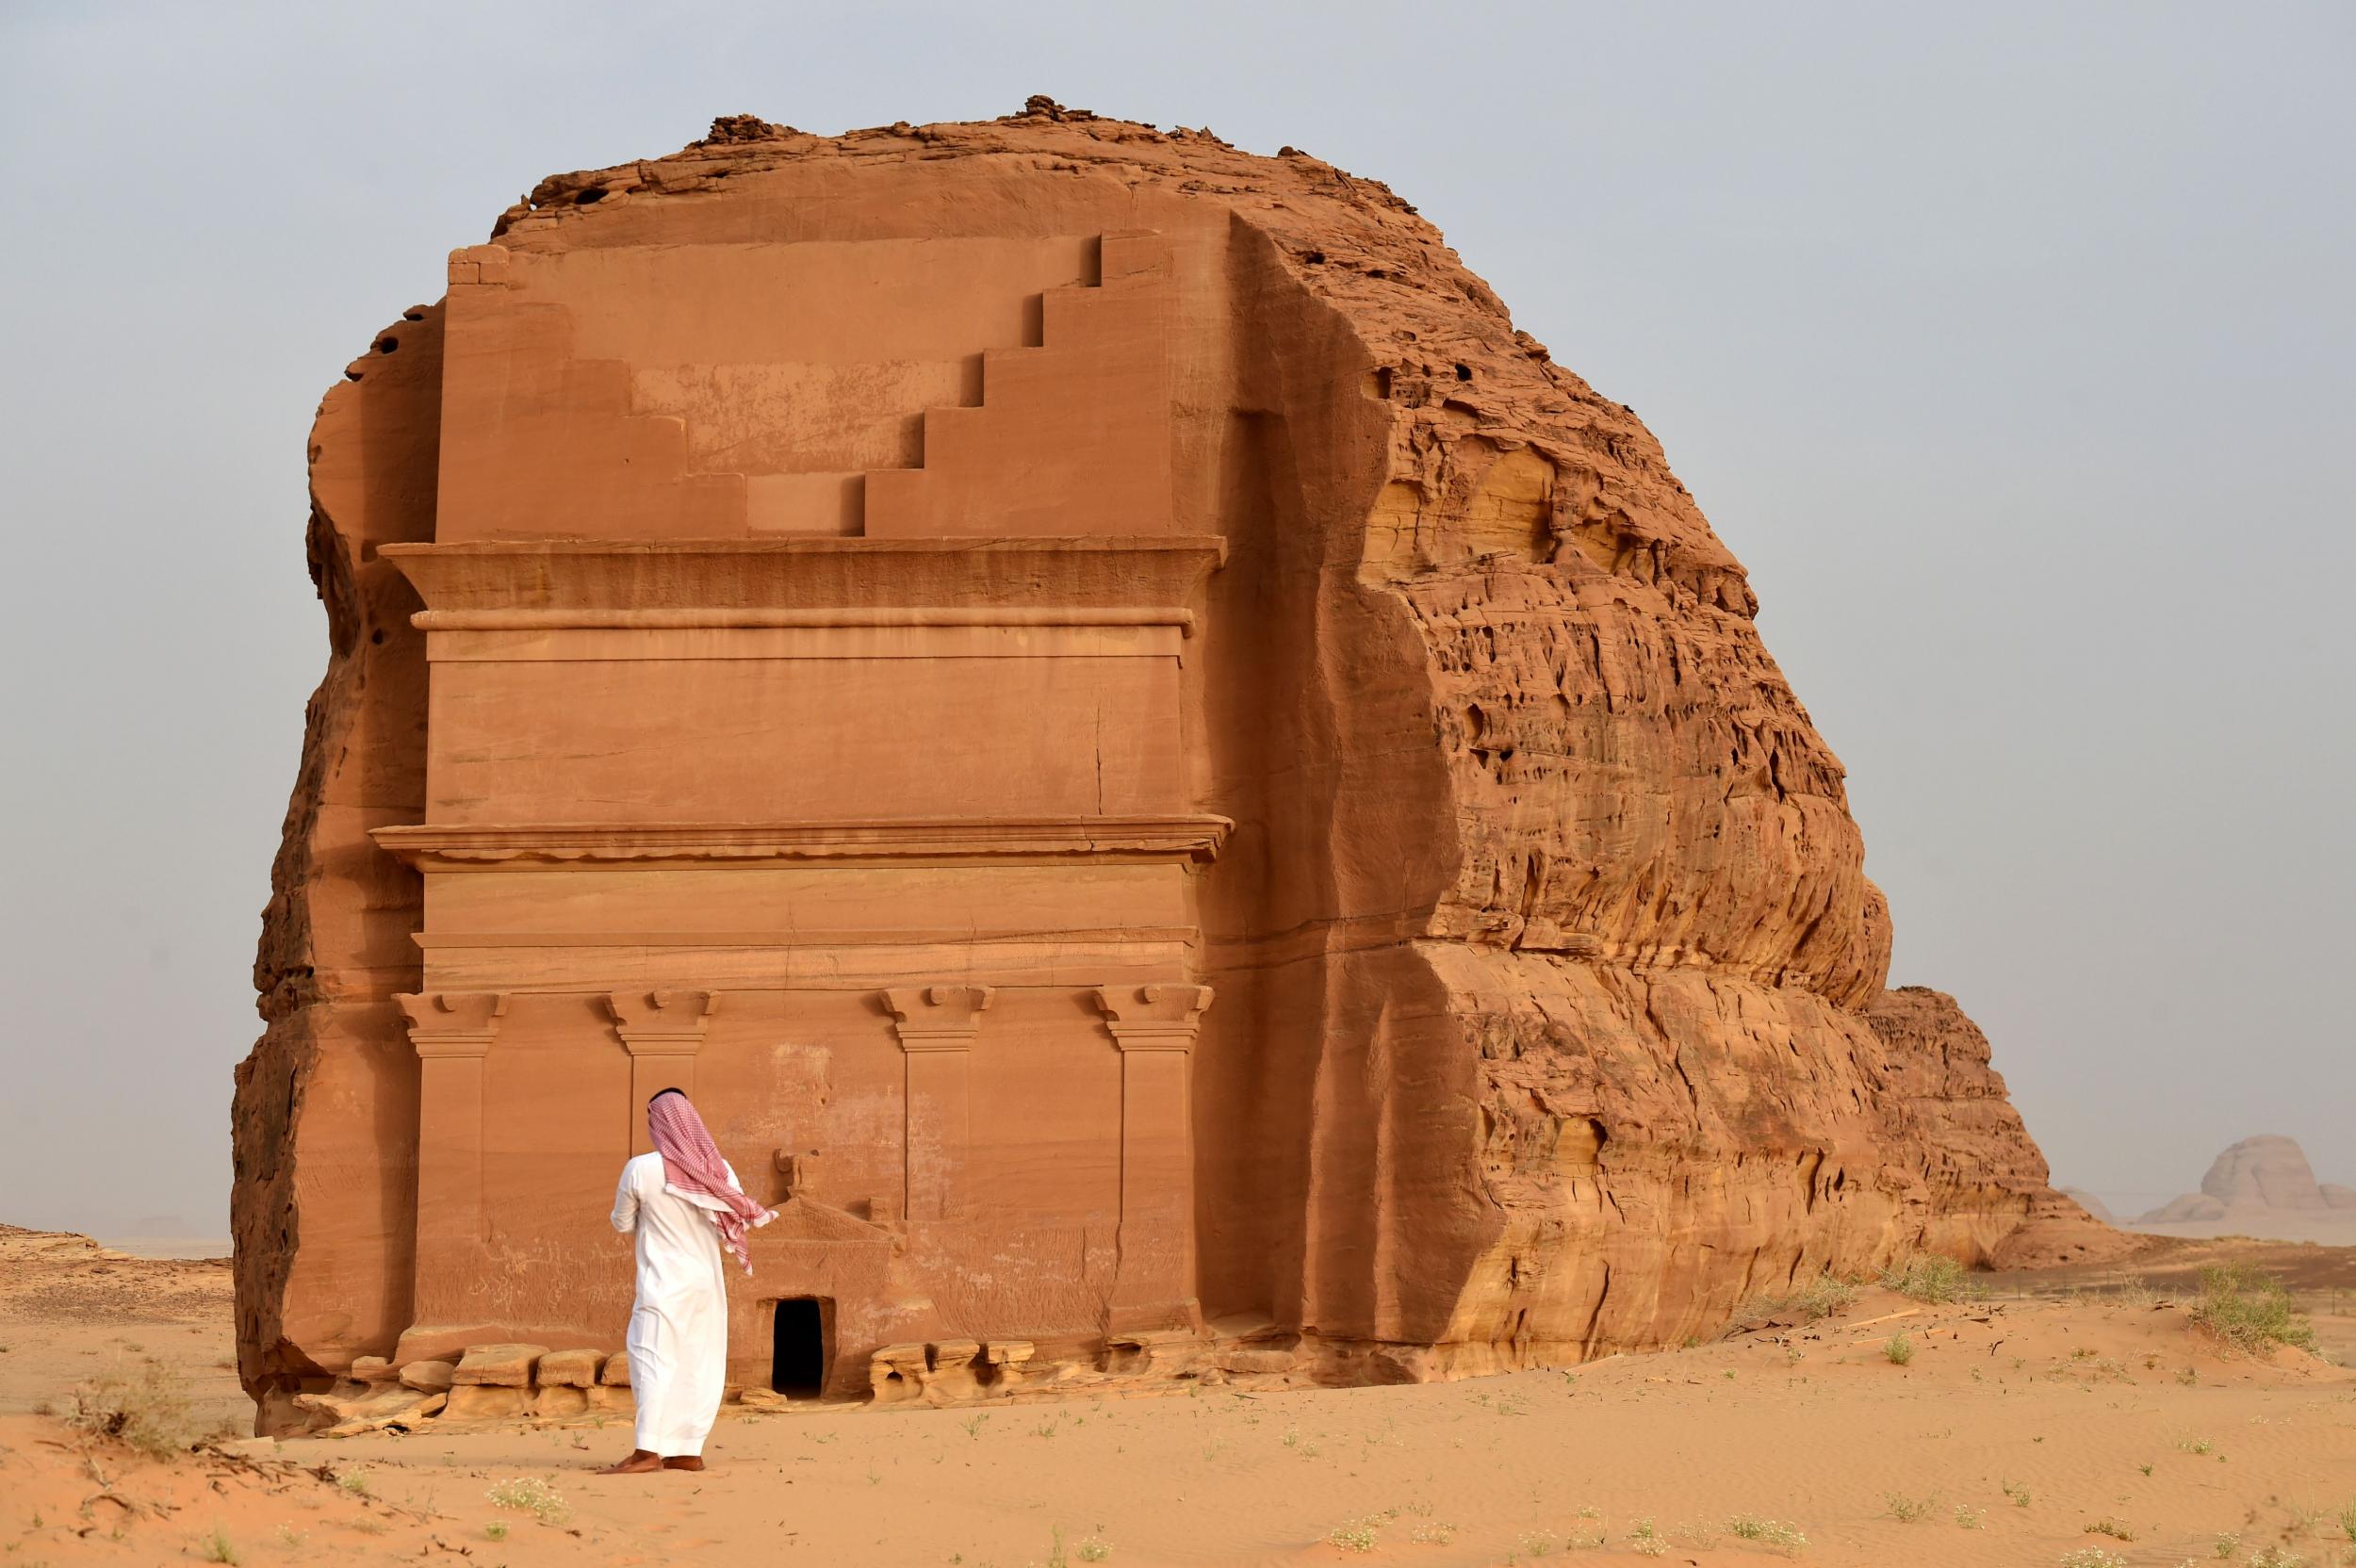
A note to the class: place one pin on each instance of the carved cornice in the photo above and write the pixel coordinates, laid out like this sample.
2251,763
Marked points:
690,619
937,1017
432,846
452,1023
811,573
1154,1016
662,1024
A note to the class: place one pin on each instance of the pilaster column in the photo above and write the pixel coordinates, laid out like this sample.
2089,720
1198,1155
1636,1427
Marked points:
451,1032
663,1031
1154,1027
935,1025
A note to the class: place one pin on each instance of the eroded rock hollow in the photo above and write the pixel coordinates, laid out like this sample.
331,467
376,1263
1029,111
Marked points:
1164,775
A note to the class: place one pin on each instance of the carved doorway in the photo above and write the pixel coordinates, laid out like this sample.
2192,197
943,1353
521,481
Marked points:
800,1346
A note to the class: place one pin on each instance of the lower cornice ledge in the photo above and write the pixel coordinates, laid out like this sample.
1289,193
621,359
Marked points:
1195,837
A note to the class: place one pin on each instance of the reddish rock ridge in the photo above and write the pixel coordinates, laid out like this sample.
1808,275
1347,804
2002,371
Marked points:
1550,1016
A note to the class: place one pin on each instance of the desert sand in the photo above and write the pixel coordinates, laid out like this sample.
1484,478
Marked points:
2022,1419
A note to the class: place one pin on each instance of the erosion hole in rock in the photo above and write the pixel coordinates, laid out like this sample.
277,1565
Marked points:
797,1350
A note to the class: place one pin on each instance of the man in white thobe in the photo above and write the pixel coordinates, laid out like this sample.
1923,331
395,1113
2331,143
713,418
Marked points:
682,1202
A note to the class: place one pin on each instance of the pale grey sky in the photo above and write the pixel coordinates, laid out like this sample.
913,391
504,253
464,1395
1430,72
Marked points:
2013,347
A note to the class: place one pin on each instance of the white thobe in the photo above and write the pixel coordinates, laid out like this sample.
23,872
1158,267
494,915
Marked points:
678,1331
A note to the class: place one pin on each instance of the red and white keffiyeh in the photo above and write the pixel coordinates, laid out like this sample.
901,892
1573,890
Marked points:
692,1170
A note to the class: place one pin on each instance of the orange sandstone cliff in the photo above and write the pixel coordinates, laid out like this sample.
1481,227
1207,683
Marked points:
1169,772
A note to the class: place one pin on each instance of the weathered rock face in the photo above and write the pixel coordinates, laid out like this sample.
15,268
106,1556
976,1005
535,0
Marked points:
1005,585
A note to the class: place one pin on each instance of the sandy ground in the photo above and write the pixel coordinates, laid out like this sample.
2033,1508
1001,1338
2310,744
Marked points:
2023,1422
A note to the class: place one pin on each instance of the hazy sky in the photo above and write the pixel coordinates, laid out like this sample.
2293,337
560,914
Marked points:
2012,348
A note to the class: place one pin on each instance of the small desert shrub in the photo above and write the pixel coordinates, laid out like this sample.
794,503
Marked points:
2111,1528
217,1547
2249,1311
2195,1444
2277,1557
356,1484
1907,1509
1819,1298
2019,1493
2092,1557
1439,1532
2346,1517
1968,1517
1646,1541
146,1409
1899,1349
533,1496
2227,1544
1092,1550
1772,1533
495,1530
1928,1277
1537,1542
1356,1535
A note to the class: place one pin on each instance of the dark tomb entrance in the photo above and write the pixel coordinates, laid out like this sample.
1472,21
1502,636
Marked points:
797,1363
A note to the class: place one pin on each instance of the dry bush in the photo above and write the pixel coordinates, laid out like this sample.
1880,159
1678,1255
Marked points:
1928,1277
2249,1311
145,1407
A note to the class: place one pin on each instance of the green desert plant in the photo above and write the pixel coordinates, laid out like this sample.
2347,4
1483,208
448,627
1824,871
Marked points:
2092,1557
1356,1535
2111,1528
1968,1517
1907,1509
1772,1533
217,1547
2249,1311
1928,1277
145,1407
531,1495
1898,1349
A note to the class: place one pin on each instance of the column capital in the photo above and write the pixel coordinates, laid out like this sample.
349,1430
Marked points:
454,1023
662,1024
937,1017
1155,1017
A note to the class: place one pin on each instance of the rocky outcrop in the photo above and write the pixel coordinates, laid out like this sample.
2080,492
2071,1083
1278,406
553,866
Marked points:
2260,1186
1551,1015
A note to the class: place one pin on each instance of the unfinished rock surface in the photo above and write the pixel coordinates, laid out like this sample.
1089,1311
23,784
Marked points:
1156,766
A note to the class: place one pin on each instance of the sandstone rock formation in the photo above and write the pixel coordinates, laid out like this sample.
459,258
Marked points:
2260,1186
1162,769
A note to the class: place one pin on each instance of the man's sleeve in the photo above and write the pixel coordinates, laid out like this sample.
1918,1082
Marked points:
625,1204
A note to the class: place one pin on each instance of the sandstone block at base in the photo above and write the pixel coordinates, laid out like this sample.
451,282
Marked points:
373,1369
484,1402
1006,1360
561,1401
427,1377
897,1373
497,1365
568,1369
617,1373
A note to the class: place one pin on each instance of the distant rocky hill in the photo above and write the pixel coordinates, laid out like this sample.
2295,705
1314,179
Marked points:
2260,1186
